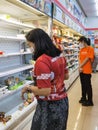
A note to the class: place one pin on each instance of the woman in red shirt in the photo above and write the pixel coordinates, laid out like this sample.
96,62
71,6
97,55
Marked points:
50,72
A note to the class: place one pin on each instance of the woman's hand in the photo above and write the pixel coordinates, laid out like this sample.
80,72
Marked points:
80,69
24,90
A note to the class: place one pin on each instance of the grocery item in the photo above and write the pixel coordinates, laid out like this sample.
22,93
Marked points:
4,118
1,52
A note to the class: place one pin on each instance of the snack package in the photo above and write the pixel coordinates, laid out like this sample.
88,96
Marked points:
29,98
4,118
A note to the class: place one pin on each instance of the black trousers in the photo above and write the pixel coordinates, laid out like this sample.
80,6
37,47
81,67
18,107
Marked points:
86,86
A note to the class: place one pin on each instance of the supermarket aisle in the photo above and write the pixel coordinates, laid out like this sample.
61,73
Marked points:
80,117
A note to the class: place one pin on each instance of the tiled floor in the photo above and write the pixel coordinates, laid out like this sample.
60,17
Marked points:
81,118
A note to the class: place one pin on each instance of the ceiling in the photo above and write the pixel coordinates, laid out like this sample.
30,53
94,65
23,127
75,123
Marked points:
89,7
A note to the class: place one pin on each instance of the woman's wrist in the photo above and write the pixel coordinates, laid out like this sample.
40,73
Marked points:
29,88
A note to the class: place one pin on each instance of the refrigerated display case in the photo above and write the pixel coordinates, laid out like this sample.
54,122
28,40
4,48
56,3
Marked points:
16,62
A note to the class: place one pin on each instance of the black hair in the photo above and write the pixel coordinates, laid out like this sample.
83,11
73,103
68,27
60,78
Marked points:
43,43
86,40
89,41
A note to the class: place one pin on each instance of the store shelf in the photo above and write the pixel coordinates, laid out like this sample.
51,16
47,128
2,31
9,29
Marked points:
68,54
70,48
71,65
72,77
15,69
76,54
11,107
72,59
71,72
17,115
12,38
16,24
15,54
11,92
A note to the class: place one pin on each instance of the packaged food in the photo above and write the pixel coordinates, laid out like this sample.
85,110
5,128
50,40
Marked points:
1,52
4,118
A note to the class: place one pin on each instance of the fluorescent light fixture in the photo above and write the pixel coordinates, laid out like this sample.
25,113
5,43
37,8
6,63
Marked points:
97,12
96,6
96,1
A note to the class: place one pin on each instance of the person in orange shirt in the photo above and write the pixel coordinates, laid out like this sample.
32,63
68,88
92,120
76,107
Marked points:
86,57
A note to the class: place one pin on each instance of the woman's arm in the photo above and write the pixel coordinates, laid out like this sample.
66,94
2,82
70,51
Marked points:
90,56
66,76
84,62
36,91
40,92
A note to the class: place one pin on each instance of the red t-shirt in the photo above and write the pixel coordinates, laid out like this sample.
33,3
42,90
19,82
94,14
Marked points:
49,73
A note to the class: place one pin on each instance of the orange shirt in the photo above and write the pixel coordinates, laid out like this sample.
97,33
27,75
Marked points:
87,52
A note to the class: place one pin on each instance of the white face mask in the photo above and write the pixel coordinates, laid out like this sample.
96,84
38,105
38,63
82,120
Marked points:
81,46
32,49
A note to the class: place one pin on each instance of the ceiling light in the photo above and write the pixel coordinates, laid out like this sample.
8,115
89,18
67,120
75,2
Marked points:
97,12
96,1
